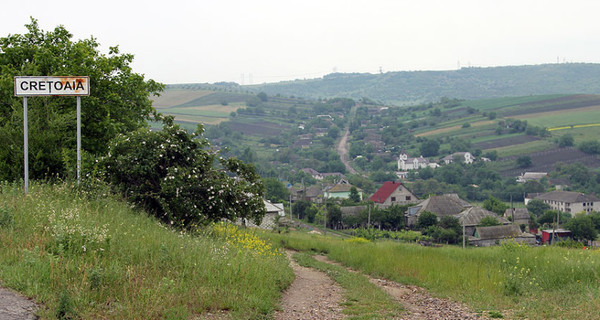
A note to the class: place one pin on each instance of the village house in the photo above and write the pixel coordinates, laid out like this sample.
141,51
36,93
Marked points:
489,236
310,193
313,173
444,205
531,176
269,221
393,193
568,201
518,215
471,217
406,163
341,190
466,157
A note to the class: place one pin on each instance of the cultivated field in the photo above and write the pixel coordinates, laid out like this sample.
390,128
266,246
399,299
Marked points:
170,98
505,141
262,128
544,161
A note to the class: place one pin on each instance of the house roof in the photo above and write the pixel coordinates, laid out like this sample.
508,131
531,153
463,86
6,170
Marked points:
567,197
472,216
534,175
520,213
335,174
341,188
385,191
500,232
444,205
277,207
311,171
456,154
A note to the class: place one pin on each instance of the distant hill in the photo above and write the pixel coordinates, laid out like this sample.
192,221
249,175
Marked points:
414,87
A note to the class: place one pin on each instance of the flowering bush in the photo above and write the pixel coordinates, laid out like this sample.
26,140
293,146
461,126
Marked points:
180,179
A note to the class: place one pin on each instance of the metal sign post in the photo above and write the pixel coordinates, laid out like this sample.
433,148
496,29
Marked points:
50,86
26,145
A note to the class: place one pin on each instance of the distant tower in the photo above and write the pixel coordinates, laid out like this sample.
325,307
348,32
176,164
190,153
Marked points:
250,78
380,70
242,79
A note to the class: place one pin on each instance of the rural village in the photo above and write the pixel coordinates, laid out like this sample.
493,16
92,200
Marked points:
466,193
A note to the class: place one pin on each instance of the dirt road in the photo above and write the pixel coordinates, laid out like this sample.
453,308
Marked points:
312,295
15,307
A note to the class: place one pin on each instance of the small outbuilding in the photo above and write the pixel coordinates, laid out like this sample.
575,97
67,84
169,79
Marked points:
489,236
550,235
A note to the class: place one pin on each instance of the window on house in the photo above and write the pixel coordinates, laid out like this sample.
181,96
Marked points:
407,198
393,199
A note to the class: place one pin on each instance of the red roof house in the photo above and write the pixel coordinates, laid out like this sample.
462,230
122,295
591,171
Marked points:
393,193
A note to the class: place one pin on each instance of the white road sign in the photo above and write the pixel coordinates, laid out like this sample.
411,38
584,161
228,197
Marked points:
52,86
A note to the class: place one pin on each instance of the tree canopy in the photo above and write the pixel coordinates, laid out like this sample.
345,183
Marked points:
119,100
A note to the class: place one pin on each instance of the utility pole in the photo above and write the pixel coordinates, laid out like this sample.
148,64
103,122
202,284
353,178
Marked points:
464,238
325,218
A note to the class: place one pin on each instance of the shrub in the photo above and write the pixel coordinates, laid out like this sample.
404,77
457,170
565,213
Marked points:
180,179
426,219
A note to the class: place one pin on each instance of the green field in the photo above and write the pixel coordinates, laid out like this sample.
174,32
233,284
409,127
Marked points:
499,103
516,281
567,118
84,255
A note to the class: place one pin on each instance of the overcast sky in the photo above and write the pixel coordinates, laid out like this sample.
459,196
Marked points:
251,42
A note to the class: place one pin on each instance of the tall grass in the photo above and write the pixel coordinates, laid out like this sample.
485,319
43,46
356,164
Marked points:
534,283
91,256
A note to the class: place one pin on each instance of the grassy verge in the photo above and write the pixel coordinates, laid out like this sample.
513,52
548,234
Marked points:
91,256
364,300
534,283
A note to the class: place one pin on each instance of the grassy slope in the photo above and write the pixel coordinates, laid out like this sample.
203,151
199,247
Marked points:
521,282
100,259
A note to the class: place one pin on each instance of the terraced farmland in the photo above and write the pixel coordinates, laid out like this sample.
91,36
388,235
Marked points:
544,161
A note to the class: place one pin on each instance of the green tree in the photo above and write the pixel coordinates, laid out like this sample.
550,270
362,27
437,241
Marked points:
426,219
524,162
590,146
275,190
354,195
566,140
495,205
299,208
537,207
263,96
582,228
119,100
489,221
492,155
430,148
334,215
450,222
